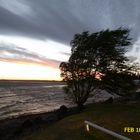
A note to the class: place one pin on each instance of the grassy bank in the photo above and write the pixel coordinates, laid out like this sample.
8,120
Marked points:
114,117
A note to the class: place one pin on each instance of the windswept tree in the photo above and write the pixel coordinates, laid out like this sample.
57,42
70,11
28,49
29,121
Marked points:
93,57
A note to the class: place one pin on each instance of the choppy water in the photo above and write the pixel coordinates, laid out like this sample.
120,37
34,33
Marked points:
20,100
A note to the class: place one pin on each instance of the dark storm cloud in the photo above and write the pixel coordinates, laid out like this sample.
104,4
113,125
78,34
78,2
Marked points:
12,53
59,20
13,24
47,22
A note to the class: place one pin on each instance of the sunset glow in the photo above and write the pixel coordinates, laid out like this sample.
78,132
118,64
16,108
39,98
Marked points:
27,71
32,59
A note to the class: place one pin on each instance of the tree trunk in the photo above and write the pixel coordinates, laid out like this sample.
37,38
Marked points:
80,107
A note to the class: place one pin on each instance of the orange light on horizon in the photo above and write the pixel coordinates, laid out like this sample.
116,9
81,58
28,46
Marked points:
27,71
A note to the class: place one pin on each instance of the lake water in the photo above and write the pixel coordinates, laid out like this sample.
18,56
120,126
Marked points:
20,100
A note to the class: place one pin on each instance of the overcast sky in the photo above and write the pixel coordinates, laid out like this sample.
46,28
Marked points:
37,32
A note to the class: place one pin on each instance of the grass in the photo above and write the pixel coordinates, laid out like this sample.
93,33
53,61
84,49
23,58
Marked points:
113,117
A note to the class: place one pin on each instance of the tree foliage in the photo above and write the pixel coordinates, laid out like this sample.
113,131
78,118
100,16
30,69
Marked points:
93,57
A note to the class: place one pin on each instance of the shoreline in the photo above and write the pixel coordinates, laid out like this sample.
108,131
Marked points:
15,127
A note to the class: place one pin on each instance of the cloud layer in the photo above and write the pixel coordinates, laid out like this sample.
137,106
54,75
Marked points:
58,21
12,53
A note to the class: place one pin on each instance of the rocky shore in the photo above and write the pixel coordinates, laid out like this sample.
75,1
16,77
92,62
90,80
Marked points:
15,128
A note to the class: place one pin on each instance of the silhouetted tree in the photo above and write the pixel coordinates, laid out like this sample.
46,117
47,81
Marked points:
121,83
93,57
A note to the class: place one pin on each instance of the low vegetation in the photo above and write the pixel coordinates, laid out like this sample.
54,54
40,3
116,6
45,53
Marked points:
112,116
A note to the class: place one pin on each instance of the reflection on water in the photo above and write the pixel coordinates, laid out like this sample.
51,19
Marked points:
31,99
